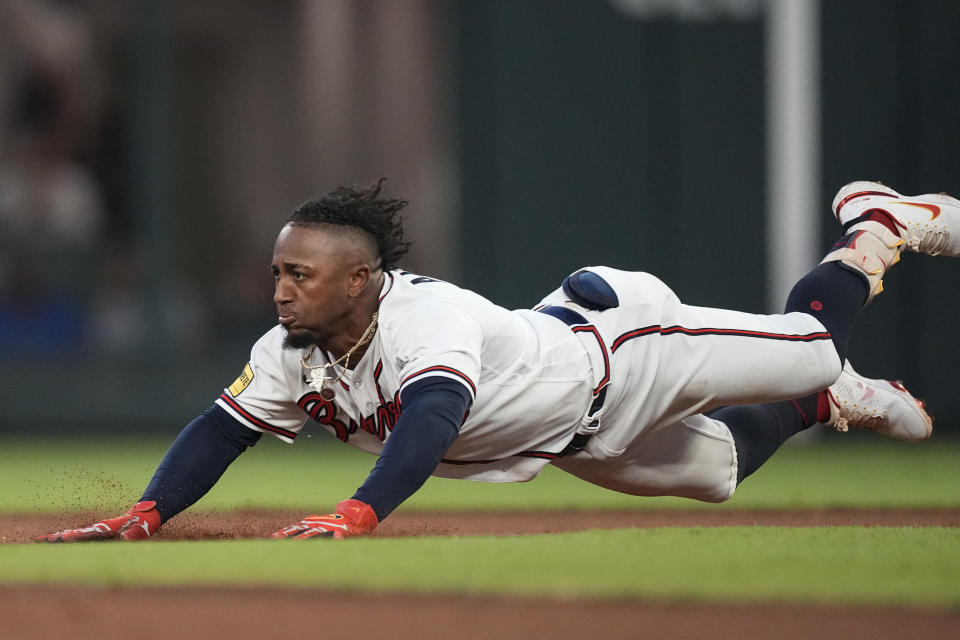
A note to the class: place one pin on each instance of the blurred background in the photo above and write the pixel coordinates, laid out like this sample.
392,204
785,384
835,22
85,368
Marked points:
150,151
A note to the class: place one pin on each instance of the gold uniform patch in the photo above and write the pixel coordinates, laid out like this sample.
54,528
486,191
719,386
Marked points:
241,383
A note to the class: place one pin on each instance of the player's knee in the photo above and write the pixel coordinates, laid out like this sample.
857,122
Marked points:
717,499
815,375
815,380
590,291
831,372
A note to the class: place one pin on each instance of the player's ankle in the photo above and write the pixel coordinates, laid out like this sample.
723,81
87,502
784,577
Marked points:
823,407
875,215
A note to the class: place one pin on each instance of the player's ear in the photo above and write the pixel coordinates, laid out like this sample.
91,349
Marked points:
358,279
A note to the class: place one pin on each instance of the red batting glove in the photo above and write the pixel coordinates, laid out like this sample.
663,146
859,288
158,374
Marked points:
352,518
141,521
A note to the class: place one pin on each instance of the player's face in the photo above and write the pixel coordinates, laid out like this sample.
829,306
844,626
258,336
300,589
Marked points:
314,270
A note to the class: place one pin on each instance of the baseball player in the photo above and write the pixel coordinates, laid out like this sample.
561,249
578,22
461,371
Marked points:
610,377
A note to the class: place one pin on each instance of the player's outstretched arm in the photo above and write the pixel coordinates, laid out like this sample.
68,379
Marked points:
192,465
433,410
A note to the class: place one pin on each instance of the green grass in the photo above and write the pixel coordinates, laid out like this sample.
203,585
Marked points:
909,567
842,471
902,567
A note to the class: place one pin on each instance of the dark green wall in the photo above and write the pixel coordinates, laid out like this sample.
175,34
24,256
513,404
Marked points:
590,138
891,105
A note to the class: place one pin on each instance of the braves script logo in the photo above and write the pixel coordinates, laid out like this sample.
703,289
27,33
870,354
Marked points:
379,423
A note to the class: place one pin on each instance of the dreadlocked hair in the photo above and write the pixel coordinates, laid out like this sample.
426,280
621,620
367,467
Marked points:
361,207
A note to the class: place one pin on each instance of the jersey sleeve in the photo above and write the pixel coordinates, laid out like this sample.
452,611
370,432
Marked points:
439,339
261,398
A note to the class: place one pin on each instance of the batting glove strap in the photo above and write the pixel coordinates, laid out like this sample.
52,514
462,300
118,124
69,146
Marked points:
139,522
352,518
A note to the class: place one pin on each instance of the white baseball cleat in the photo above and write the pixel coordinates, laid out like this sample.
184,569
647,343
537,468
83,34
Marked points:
881,405
928,223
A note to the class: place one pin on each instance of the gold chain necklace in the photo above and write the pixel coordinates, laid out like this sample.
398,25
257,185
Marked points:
317,373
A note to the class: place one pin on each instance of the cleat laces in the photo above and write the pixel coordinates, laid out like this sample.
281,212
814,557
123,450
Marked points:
872,421
929,241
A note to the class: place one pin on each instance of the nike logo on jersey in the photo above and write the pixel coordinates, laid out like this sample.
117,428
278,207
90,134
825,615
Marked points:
932,208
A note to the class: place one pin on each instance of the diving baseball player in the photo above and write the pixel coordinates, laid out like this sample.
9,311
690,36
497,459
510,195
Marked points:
610,377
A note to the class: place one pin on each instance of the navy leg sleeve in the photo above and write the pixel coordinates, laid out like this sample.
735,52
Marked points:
196,460
759,429
833,294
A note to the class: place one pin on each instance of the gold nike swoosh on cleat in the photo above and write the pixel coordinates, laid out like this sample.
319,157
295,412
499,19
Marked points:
932,208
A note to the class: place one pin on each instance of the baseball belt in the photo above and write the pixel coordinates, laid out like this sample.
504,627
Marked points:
591,422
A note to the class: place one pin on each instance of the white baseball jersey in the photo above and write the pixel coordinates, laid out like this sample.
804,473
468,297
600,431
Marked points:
533,379
529,376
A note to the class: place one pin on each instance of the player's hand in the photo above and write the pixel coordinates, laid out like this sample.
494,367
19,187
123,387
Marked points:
141,521
352,518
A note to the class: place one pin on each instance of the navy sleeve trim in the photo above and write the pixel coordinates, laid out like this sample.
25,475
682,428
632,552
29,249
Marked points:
424,387
255,421
456,372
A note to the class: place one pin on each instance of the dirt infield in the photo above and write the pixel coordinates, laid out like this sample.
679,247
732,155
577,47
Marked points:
33,613
259,523
237,614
